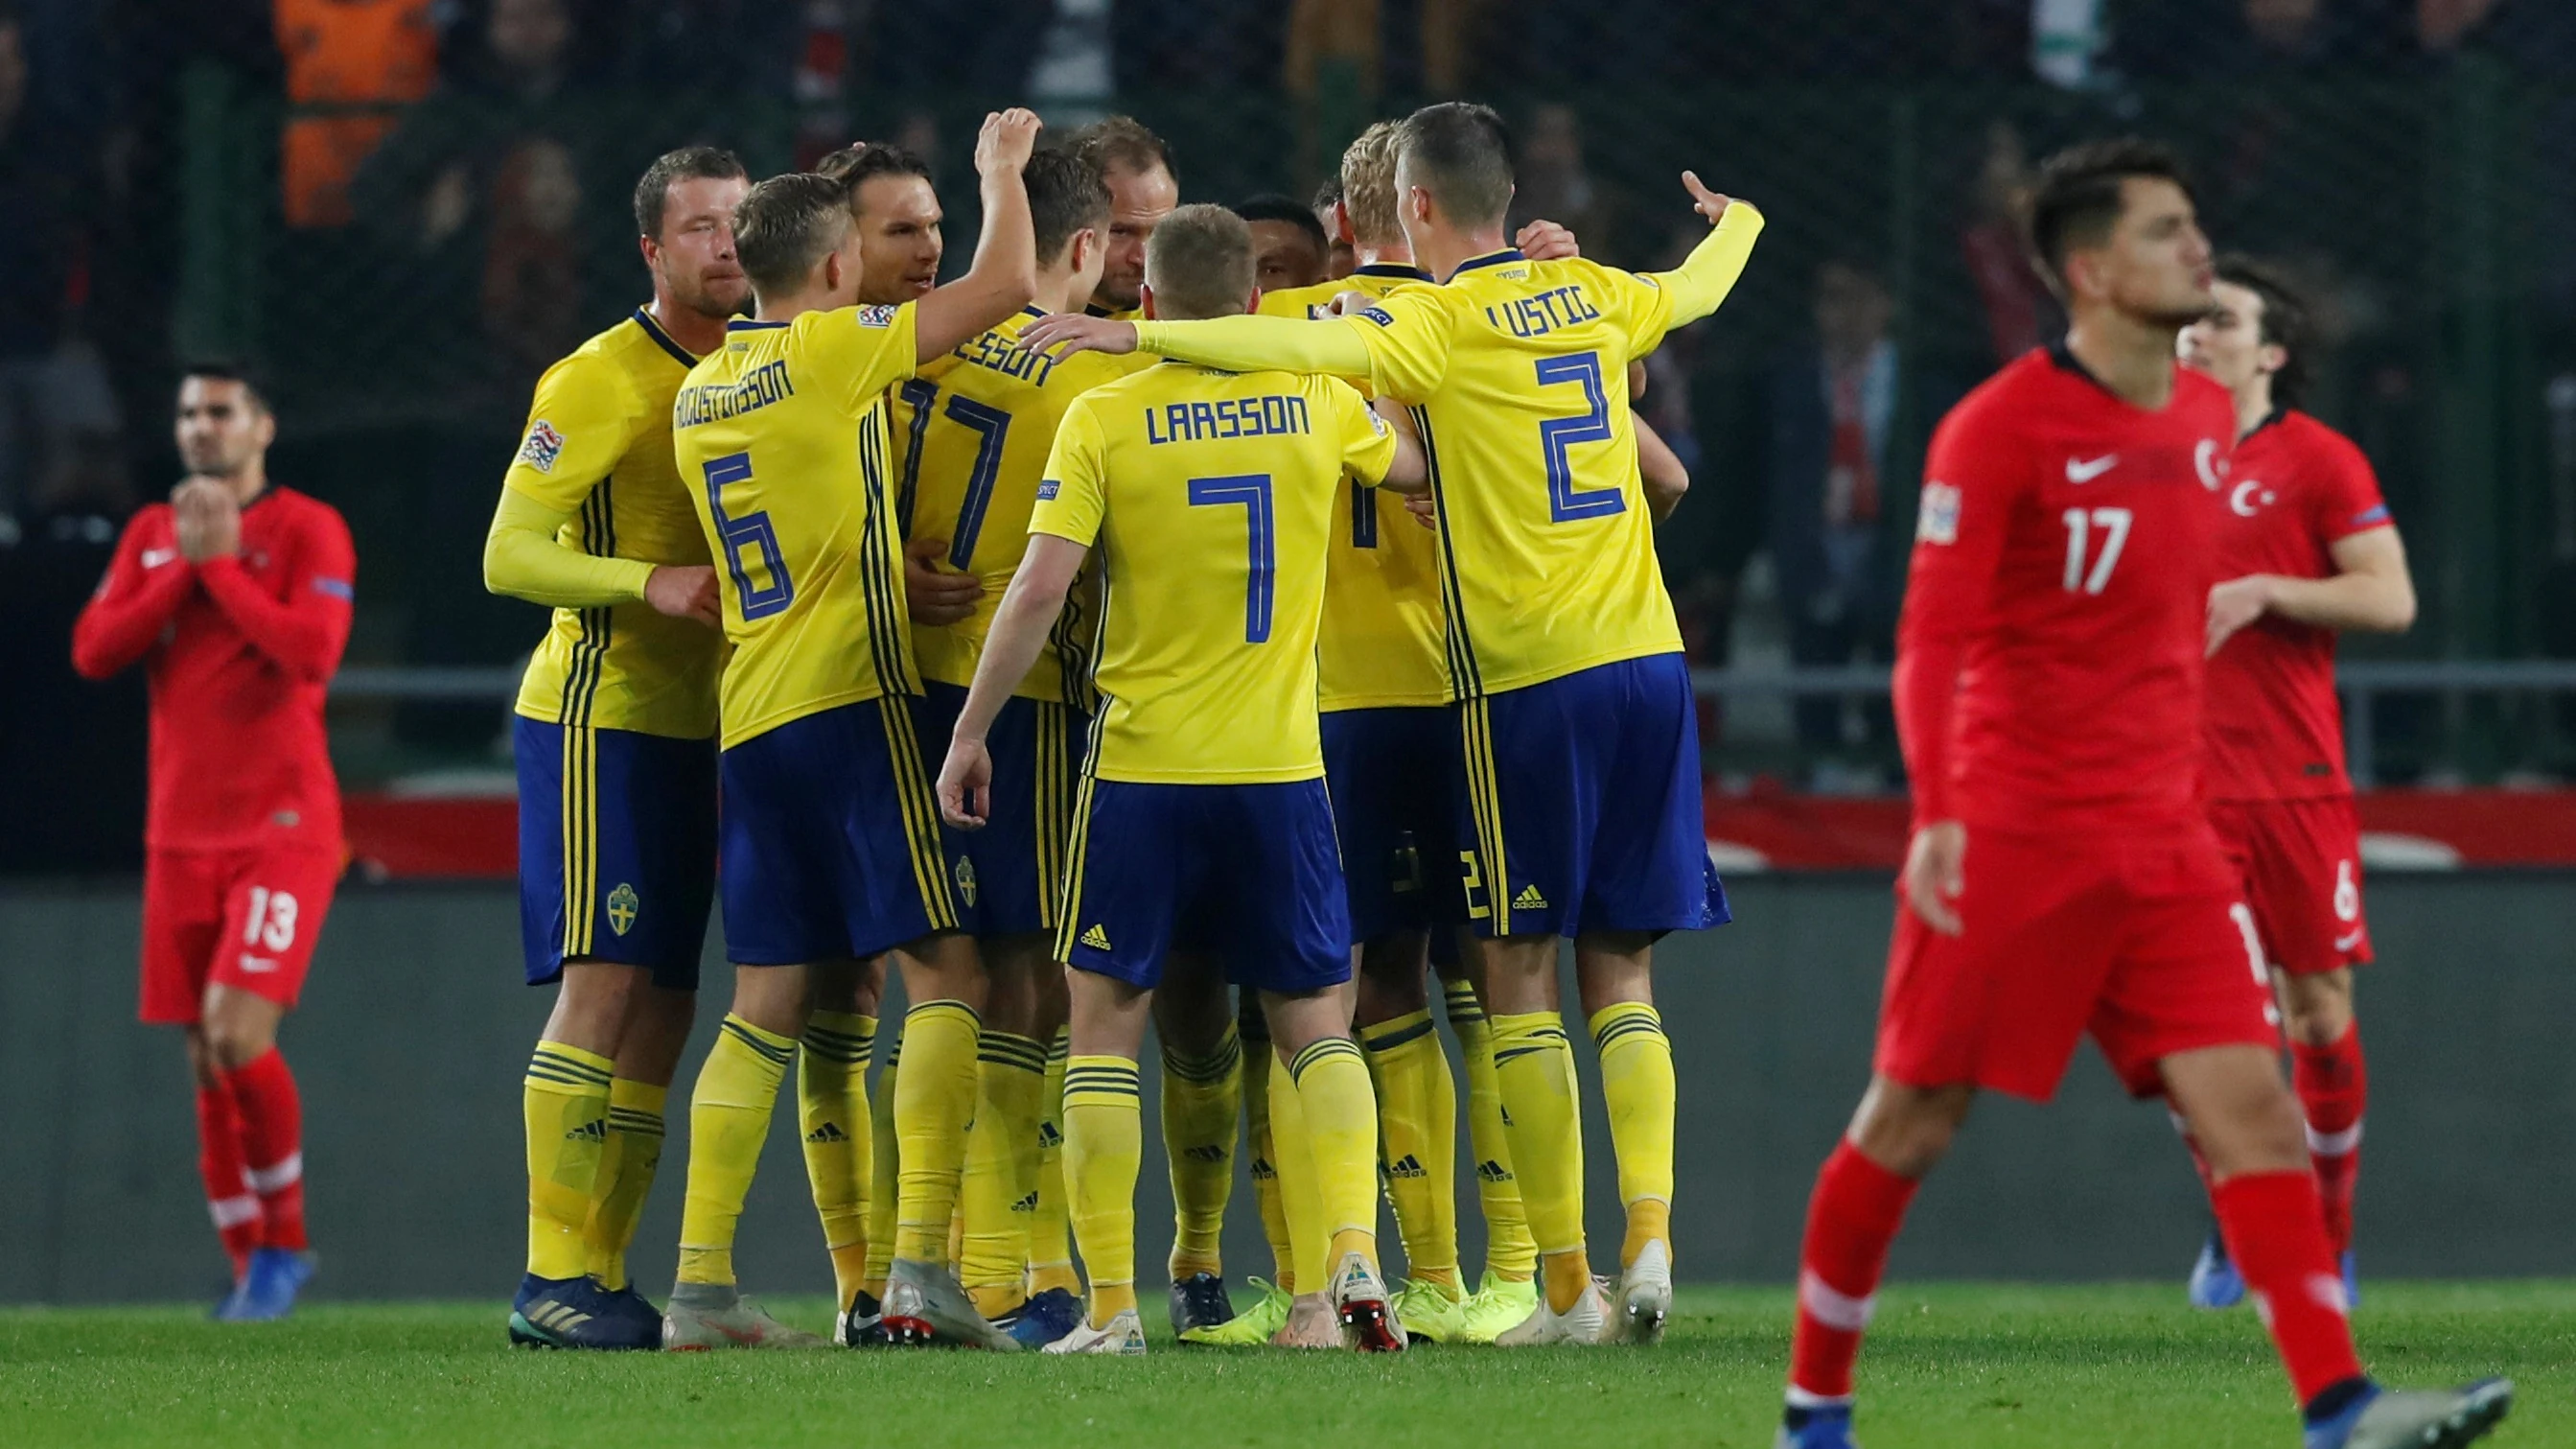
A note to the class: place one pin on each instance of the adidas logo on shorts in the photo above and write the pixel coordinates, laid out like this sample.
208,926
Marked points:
1096,938
1529,900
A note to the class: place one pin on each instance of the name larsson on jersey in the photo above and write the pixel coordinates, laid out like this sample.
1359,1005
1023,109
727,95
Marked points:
1269,415
767,384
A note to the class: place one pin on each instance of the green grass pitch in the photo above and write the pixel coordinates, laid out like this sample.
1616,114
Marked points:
1951,1366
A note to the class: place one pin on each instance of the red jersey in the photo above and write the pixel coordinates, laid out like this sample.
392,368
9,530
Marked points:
238,652
2275,727
2048,666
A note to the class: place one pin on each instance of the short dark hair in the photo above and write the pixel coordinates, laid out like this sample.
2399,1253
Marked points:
785,225
2284,322
1122,143
2080,192
1461,153
1327,194
253,382
1199,263
1272,206
689,163
1065,196
856,165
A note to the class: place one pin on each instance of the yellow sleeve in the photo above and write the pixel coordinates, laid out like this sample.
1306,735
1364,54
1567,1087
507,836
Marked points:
1073,495
857,352
1368,444
1693,289
1407,338
584,416
1258,344
523,559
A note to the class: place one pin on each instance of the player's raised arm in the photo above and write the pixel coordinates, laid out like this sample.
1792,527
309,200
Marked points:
1005,273
1704,278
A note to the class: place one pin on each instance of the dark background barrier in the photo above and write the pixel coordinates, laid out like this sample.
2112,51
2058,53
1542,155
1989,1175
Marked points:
413,1033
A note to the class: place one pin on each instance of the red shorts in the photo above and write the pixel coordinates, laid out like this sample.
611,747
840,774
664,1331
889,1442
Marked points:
2299,862
2143,945
244,918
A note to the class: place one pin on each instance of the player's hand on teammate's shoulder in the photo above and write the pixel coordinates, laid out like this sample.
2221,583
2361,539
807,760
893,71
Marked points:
1349,304
1006,141
1542,240
1708,203
208,520
930,596
1935,862
685,591
1062,334
965,783
2235,604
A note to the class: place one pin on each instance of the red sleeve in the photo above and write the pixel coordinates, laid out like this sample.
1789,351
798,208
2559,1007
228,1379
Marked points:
133,604
1971,480
305,631
2346,500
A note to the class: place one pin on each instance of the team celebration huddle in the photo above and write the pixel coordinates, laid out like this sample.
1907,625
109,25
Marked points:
1234,623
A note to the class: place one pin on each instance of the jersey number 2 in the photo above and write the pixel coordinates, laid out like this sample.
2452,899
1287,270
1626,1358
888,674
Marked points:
749,531
1252,490
1565,502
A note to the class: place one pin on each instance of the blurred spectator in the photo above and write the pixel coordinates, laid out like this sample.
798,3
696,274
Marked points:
2008,289
1834,462
736,46
971,47
363,59
71,752
532,263
1555,182
54,395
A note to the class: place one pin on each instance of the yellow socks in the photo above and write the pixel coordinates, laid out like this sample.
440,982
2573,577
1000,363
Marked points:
1201,1095
1104,1145
1417,1116
1535,1066
998,1195
1637,1082
728,1120
1050,1240
832,1113
932,1105
884,1158
1510,1253
1301,1199
1258,1068
626,1168
565,1102
1332,1083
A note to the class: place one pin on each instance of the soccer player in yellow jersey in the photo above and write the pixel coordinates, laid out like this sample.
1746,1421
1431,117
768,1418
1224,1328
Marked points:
615,739
1143,188
972,431
1203,833
1579,753
831,850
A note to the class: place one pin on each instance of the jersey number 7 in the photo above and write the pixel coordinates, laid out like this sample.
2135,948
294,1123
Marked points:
992,427
749,531
1252,490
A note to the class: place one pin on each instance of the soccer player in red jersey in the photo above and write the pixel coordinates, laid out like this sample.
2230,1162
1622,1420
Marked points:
2306,549
2062,878
235,597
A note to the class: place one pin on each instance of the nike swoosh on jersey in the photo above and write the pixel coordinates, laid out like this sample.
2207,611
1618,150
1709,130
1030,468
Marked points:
2082,471
2346,943
154,558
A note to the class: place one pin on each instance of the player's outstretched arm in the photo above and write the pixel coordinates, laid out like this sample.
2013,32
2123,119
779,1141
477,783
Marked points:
524,557
124,619
1020,627
1236,344
2371,591
1005,274
1661,470
305,631
1709,272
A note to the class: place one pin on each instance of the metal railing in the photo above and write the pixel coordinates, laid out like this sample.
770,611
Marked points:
2362,685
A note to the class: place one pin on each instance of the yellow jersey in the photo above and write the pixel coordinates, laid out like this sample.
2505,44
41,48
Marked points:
781,434
598,444
971,434
1517,375
1207,499
1382,635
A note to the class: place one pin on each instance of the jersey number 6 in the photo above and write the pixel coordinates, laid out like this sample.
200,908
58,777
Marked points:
752,531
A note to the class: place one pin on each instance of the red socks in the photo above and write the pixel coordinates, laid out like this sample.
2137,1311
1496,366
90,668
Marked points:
272,1146
2275,1232
2333,1087
229,1200
1851,1221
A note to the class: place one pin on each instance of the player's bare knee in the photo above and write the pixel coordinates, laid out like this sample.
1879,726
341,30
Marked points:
201,1058
233,1043
592,1004
1611,967
773,998
1393,978
944,967
1908,1130
2316,1010
1519,974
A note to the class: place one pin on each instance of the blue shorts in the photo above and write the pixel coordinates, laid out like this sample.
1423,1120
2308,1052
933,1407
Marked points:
833,847
1394,774
1583,805
617,849
1248,873
1017,859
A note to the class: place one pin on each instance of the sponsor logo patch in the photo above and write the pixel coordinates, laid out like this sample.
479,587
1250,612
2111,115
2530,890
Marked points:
874,315
543,447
